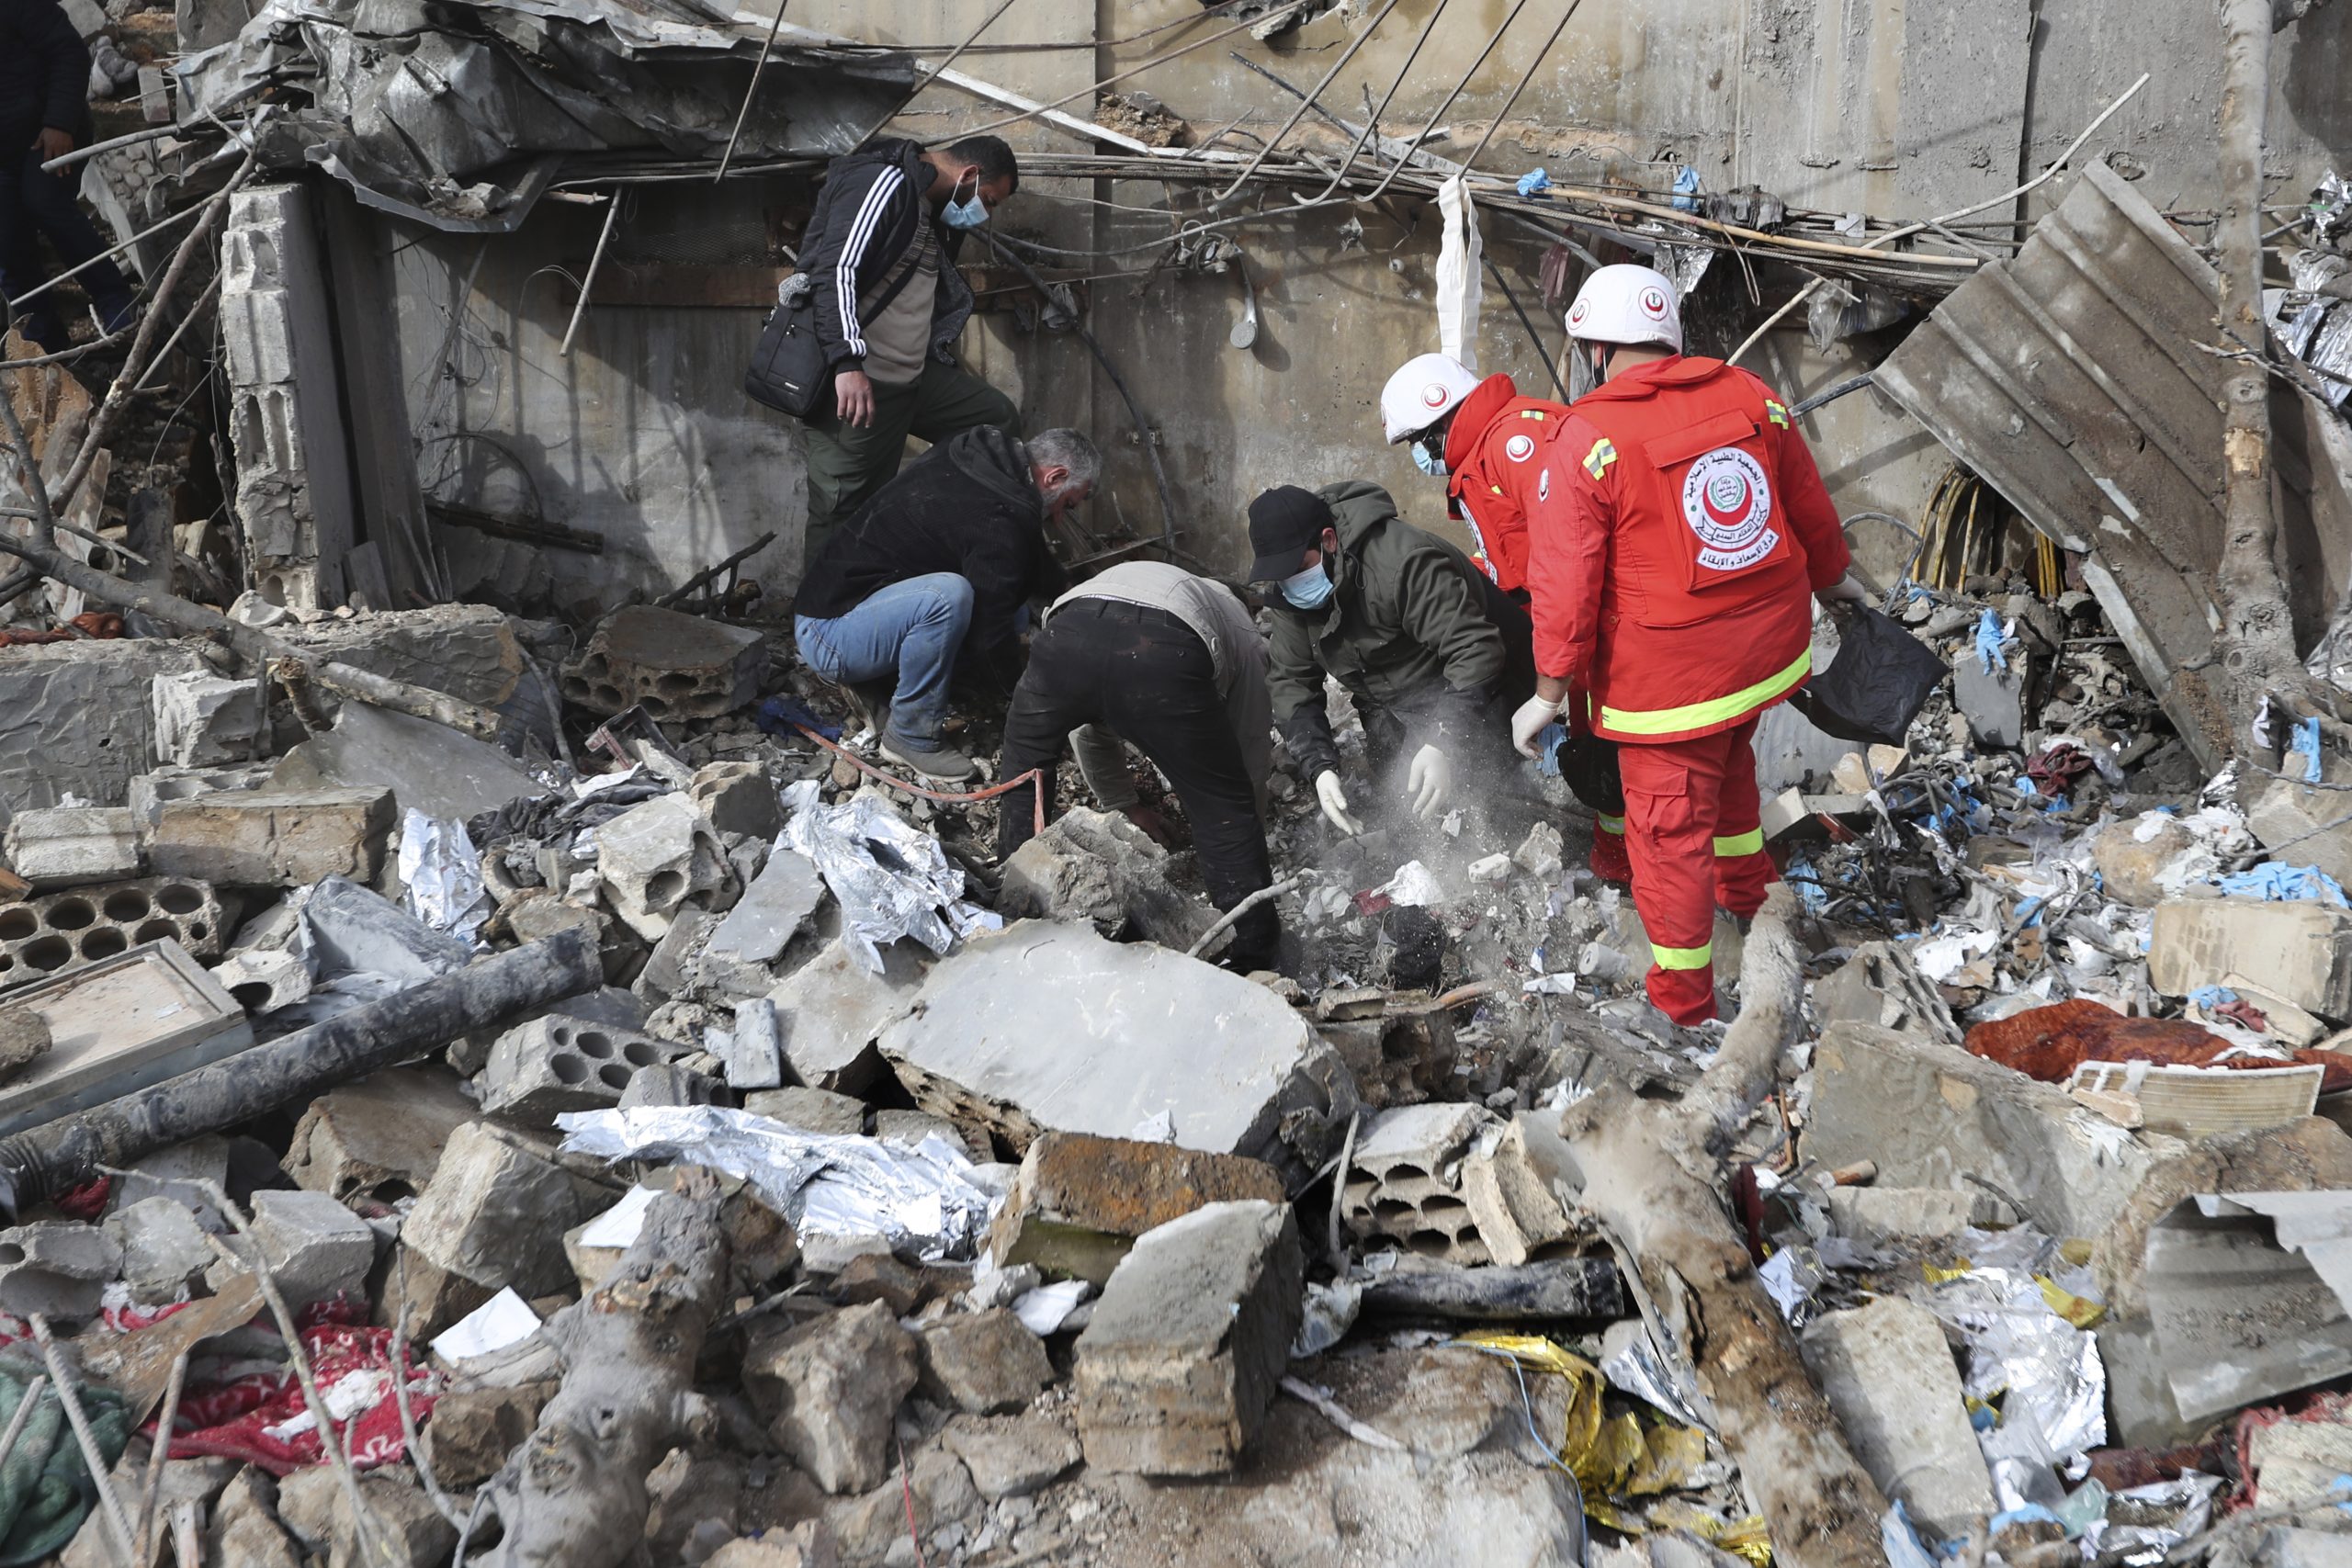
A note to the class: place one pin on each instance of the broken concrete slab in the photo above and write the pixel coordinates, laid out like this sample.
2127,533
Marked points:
1932,1116
1010,1033
1453,1182
203,720
540,1069
672,665
738,797
1182,1354
263,979
473,1430
150,790
984,1363
2301,951
75,720
809,1109
68,846
1080,1200
1889,1375
1012,1456
56,933
495,1213
56,1267
667,1083
24,1040
444,773
772,910
379,1137
1895,1216
832,1010
830,1389
163,1249
467,650
271,839
654,857
317,1249
2131,856
354,931
1881,986
1097,866
1992,701
754,1054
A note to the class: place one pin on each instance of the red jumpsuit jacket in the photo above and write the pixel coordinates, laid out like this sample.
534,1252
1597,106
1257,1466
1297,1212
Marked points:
1677,532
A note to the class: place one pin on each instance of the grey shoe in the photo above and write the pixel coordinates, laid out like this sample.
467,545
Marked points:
930,758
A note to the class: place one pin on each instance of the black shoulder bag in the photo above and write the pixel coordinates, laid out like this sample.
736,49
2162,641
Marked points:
788,370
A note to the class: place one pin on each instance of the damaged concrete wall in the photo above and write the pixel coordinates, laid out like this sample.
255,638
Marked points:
643,437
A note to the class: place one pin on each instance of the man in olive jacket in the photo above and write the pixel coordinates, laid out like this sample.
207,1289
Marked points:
1422,640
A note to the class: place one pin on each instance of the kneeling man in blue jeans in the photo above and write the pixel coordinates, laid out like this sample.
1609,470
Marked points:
940,565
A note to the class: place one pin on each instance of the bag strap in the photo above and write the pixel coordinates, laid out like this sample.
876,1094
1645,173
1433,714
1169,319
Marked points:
906,275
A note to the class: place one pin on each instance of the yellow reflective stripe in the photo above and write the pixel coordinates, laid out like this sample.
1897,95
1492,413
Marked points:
1597,461
1715,710
1777,413
1531,414
1697,957
1617,824
1745,843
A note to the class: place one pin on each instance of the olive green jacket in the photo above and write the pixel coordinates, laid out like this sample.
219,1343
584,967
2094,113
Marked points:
1408,629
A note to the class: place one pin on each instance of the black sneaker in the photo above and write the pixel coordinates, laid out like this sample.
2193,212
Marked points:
931,758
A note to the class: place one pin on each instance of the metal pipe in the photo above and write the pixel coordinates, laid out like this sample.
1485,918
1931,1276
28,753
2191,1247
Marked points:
1535,337
38,1164
596,259
153,133
182,216
938,70
1492,39
1525,77
751,91
1221,197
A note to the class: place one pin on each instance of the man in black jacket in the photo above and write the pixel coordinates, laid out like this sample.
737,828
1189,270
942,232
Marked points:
880,258
45,114
938,567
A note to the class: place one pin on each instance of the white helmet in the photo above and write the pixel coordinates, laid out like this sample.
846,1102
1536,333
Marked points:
1627,304
1425,390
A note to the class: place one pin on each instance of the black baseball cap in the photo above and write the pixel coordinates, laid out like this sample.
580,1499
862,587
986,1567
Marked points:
1285,523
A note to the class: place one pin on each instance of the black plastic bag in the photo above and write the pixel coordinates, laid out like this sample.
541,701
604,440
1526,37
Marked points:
1877,683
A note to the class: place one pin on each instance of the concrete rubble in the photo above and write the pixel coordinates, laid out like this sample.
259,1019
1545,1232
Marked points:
406,791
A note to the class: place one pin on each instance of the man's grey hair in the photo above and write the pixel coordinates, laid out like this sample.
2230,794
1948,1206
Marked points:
1066,449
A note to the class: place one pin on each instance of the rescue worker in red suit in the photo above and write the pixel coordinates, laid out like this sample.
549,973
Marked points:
1480,437
1679,536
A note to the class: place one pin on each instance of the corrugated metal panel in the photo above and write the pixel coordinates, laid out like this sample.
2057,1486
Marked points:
2076,379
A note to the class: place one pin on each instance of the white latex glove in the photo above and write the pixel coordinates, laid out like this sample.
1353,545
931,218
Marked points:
1335,802
1429,781
1847,587
1529,722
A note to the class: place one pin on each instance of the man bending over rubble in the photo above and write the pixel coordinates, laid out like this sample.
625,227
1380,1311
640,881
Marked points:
1149,653
1680,531
1421,639
940,567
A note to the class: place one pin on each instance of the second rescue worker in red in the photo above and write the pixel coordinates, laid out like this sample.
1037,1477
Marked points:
1679,534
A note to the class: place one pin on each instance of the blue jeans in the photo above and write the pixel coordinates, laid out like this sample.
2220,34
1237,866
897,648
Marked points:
910,630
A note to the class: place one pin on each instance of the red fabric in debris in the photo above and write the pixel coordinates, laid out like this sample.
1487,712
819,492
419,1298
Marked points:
2050,1043
244,1417
101,624
86,1202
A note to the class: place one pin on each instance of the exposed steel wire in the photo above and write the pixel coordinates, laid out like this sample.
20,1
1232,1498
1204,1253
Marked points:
1034,775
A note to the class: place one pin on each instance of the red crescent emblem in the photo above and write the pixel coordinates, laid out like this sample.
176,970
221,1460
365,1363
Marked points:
1733,517
1433,395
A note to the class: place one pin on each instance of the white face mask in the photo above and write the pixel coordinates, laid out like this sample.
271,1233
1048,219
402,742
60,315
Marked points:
1309,590
1429,462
